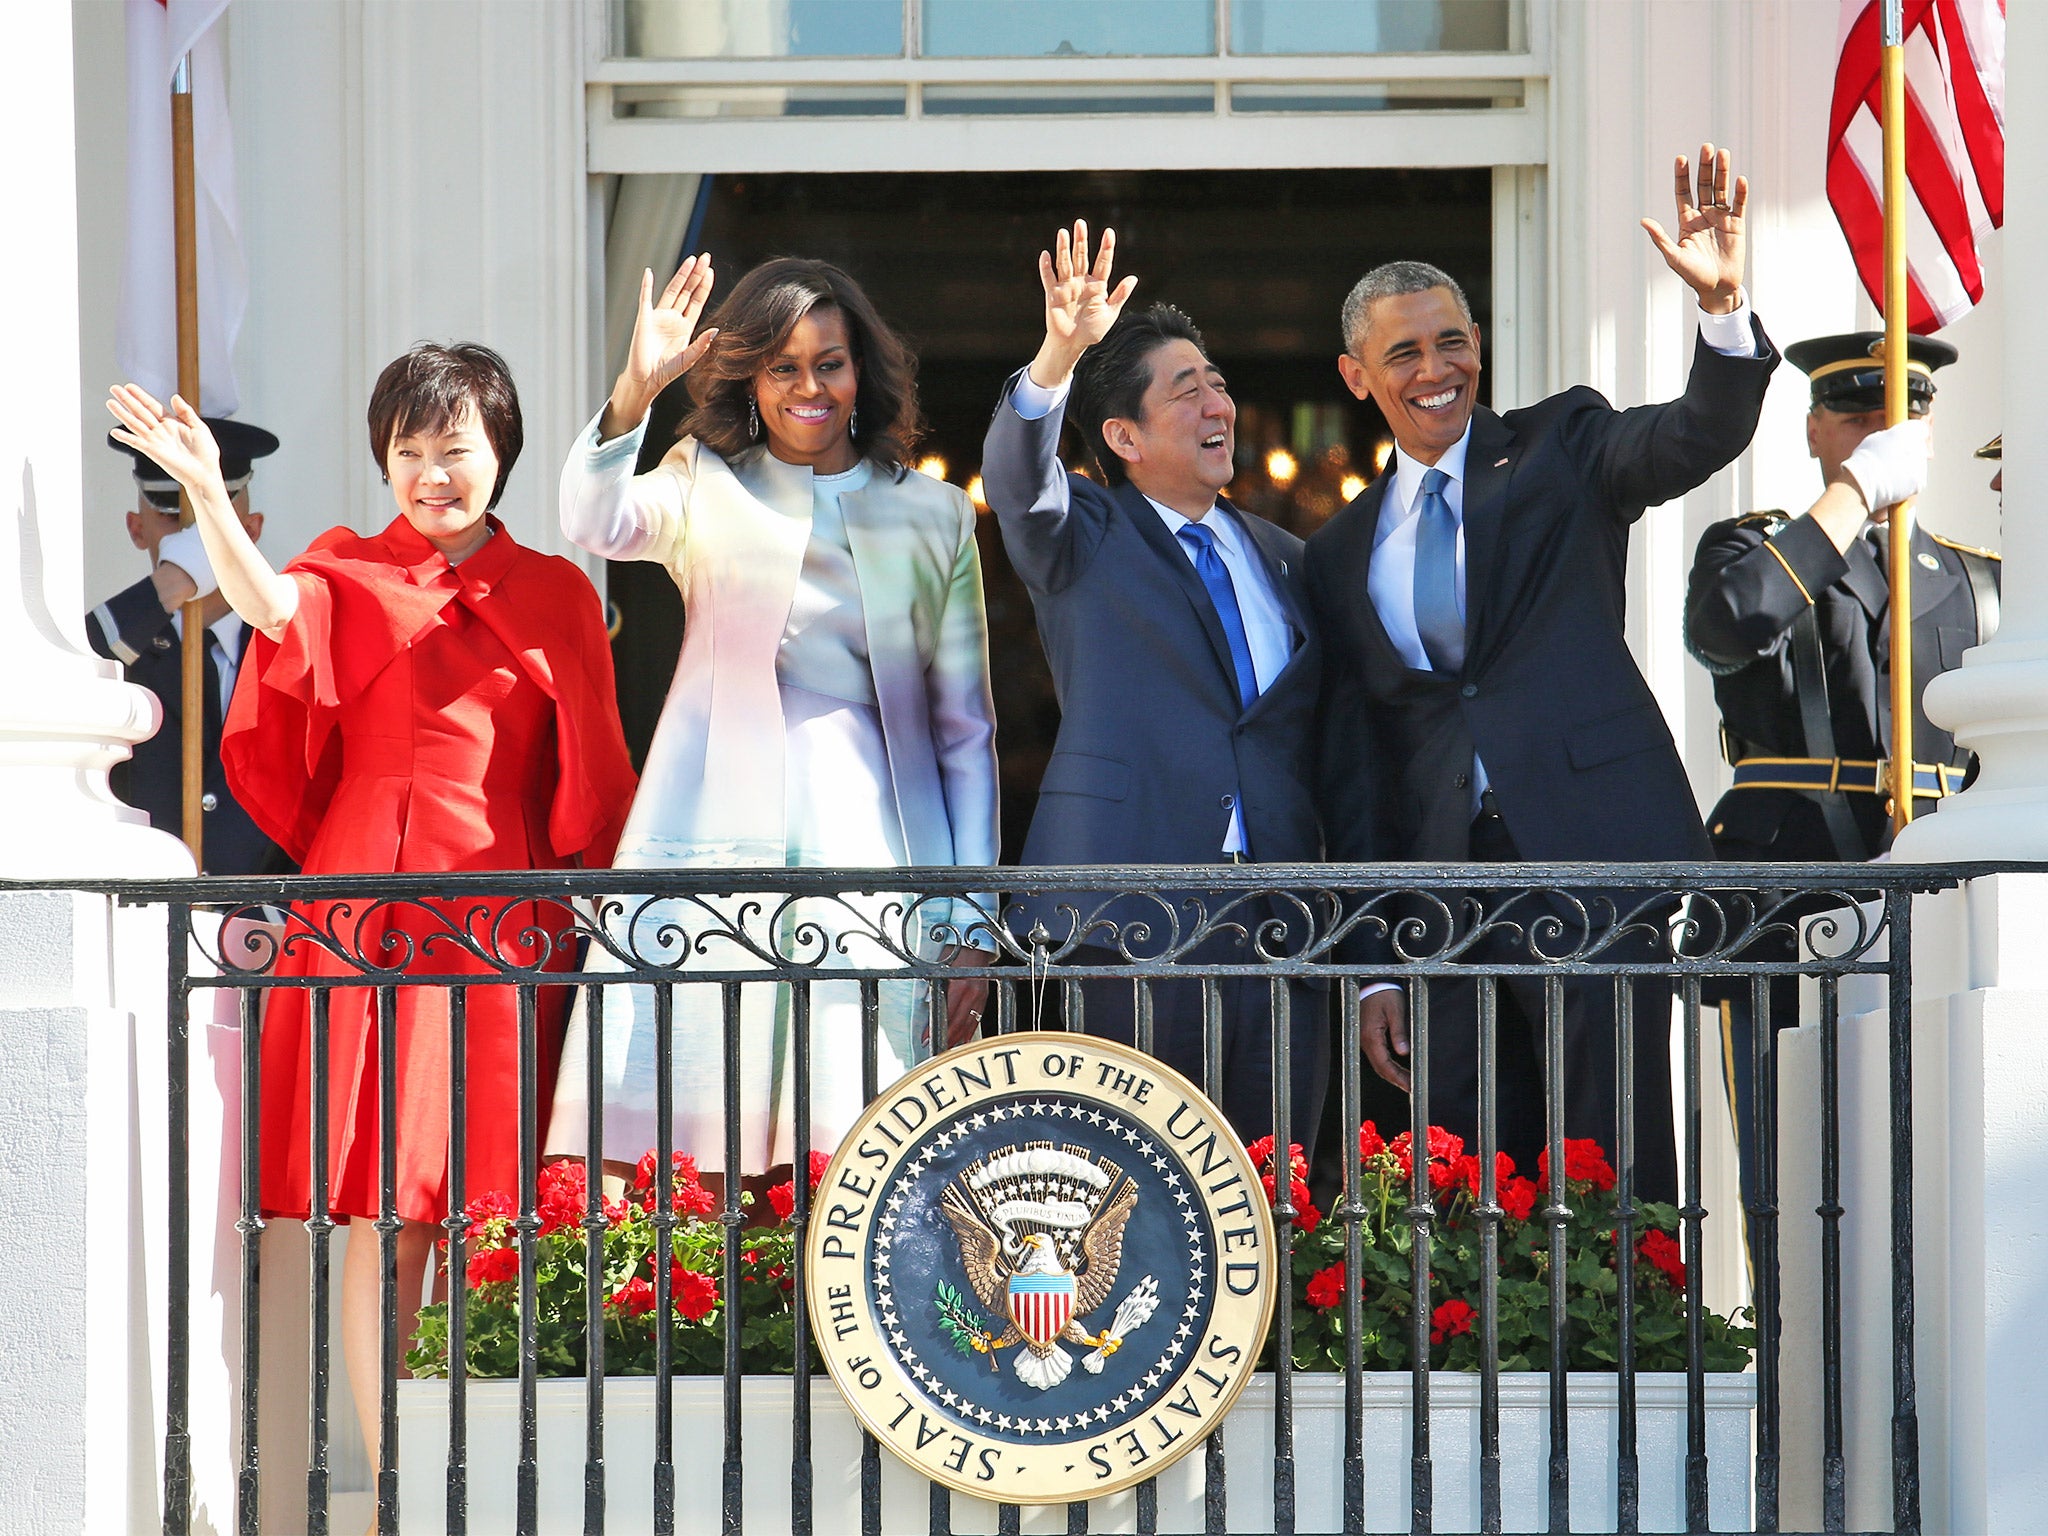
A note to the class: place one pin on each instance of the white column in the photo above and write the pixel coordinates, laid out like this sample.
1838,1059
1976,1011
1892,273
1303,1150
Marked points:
1997,701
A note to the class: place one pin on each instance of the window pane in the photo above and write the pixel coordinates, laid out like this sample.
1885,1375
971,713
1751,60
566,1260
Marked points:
1064,101
757,101
1392,96
1010,29
757,29
1370,26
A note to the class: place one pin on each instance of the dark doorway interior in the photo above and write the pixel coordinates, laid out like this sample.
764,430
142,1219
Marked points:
1261,260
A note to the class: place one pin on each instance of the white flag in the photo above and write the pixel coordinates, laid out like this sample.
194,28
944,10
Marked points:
160,32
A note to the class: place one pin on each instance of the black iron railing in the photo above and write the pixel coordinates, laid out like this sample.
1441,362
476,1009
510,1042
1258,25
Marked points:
1688,927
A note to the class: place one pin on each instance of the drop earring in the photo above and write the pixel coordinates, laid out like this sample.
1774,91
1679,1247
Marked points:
753,420
853,422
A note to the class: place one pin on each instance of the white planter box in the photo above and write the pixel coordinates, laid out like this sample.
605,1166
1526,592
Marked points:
1318,1441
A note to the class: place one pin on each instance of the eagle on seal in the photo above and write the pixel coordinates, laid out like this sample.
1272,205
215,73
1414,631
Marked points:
1041,1234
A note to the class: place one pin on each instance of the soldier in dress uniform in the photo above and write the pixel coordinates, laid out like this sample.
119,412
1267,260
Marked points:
142,627
1792,615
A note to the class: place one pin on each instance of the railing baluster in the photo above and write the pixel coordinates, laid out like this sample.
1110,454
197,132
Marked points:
1833,1472
1421,1211
1557,1214
665,1247
594,1228
1489,1212
734,1217
1005,1007
387,1227
1905,1387
1215,1489
528,1225
249,1485
1284,1212
870,1448
319,1237
1693,1217
1143,1034
457,1225
1627,1473
178,1228
1764,1225
800,1479
1352,1213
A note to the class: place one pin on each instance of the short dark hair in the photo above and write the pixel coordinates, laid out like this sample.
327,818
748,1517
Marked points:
430,387
753,324
1112,378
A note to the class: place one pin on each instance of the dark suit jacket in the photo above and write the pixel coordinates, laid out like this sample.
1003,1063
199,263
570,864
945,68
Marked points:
1750,579
1573,741
142,637
1153,744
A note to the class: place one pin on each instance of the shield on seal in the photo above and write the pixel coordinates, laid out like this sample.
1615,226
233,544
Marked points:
1040,1305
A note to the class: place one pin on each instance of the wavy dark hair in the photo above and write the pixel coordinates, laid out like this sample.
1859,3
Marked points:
430,387
753,324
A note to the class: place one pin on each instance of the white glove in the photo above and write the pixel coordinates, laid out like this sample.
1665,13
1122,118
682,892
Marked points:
1891,465
187,551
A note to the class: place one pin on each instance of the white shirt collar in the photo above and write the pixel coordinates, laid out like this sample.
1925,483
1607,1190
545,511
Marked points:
1224,528
1408,472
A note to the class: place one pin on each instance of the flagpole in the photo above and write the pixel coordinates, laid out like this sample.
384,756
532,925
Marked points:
1893,85
186,225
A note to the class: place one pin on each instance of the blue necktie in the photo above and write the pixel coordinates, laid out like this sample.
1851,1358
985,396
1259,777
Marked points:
1438,619
1216,577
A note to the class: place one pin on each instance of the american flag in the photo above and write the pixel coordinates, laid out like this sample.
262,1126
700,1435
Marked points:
1955,149
1041,1304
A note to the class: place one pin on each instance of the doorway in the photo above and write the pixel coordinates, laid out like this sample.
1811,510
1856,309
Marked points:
1260,259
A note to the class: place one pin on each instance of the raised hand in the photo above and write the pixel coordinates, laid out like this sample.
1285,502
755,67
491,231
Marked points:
665,345
1708,250
174,436
1080,305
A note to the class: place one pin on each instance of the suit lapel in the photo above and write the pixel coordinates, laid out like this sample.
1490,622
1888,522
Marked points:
1281,574
1932,585
1360,532
1489,461
1131,502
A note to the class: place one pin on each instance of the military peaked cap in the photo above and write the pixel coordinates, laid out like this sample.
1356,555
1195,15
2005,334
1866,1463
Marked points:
1847,372
241,444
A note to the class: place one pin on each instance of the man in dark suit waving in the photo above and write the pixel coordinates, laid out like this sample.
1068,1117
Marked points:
1177,631
1482,702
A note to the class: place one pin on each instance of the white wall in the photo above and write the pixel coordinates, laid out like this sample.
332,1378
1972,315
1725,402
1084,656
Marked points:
406,172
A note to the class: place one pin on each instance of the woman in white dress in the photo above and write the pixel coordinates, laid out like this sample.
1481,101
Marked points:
830,705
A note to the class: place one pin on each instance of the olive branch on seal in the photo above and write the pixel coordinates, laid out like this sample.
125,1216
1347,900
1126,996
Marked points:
969,1333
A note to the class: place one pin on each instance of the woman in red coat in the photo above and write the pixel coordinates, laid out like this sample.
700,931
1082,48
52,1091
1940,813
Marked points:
430,698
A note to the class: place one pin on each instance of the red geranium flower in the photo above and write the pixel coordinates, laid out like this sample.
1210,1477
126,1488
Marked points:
694,1294
1443,1146
685,1170
1517,1197
1449,1320
485,1208
820,1161
1369,1141
1584,1163
783,1197
1326,1287
635,1298
488,1266
1662,1250
563,1194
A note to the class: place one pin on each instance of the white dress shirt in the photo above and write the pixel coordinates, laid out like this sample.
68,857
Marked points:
1267,632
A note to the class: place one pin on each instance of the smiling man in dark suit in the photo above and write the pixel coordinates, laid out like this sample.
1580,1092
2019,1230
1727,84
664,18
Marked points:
1177,631
1481,700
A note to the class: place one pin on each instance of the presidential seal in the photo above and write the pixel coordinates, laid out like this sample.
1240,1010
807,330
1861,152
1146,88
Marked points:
1041,1267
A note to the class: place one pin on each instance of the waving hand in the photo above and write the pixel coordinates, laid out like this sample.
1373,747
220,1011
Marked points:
1708,251
1080,305
665,345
